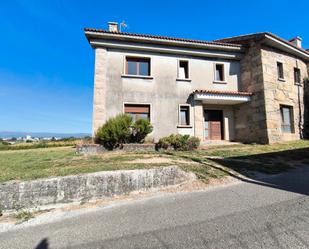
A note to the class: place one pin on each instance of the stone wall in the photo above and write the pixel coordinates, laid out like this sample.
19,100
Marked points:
250,118
31,194
282,92
99,96
97,148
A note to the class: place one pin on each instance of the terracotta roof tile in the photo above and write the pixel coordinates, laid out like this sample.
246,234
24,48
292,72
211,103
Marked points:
223,92
162,37
242,38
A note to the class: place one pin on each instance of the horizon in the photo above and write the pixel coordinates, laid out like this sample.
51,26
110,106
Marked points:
47,66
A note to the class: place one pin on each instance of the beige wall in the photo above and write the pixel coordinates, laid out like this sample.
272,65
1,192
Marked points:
163,91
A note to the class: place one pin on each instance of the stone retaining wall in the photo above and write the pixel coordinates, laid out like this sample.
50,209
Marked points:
31,194
97,149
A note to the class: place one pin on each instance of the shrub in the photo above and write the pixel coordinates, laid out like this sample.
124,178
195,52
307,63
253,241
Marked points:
193,143
179,142
140,129
119,130
115,132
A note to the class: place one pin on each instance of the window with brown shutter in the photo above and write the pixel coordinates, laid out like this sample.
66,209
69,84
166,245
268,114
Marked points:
138,66
297,77
137,111
184,115
280,70
287,120
219,73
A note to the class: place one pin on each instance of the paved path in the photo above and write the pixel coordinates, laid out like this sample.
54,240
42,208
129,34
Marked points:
271,214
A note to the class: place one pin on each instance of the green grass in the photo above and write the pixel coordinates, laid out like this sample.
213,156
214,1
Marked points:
23,215
29,164
61,161
267,159
36,145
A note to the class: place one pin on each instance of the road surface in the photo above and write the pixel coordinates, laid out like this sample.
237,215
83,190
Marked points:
273,213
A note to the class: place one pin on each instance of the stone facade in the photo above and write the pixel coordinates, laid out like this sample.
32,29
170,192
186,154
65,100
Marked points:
260,120
250,118
279,92
99,96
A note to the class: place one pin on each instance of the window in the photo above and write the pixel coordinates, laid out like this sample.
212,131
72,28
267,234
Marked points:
184,115
287,124
297,78
138,66
219,72
280,70
137,111
183,70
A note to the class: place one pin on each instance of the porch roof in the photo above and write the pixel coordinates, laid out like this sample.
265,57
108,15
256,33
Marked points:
222,97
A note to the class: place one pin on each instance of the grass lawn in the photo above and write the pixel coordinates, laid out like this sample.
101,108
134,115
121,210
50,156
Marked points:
268,159
31,164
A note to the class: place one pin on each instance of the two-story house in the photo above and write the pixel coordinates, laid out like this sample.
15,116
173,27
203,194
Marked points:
247,88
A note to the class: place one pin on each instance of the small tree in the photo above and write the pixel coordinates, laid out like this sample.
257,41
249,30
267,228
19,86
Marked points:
140,129
115,132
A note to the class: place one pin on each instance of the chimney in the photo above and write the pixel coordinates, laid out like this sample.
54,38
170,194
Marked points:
113,26
296,41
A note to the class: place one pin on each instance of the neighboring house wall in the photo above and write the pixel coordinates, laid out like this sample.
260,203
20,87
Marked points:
250,118
162,90
279,92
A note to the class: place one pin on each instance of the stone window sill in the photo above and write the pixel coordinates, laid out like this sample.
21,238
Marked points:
136,76
281,79
297,84
219,82
184,126
185,80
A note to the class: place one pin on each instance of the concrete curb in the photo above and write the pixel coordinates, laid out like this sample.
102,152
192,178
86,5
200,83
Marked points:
78,188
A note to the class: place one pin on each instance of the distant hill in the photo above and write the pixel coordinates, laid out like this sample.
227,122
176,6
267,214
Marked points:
4,134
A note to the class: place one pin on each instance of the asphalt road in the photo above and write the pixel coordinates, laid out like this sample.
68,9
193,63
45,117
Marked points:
273,213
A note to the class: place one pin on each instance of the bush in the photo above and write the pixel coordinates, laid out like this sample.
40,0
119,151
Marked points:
193,143
115,132
179,142
140,129
119,130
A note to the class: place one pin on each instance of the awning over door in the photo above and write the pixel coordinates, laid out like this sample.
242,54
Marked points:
222,97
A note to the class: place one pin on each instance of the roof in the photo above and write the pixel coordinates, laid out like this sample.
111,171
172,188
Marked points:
222,92
243,38
167,38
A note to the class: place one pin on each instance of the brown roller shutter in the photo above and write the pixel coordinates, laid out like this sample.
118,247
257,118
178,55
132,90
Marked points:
136,108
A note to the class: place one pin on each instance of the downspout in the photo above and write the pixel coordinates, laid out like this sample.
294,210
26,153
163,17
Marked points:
300,128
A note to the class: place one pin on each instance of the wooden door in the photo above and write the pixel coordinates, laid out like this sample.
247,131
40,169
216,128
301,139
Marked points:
213,125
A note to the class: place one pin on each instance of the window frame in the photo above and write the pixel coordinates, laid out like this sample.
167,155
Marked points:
138,104
223,73
138,59
280,64
297,69
188,70
291,117
188,125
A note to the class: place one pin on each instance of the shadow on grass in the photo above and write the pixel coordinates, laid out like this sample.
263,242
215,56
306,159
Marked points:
270,164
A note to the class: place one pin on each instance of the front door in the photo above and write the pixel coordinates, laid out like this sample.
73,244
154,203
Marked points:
213,124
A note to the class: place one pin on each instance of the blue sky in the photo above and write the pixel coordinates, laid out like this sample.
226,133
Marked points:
46,63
